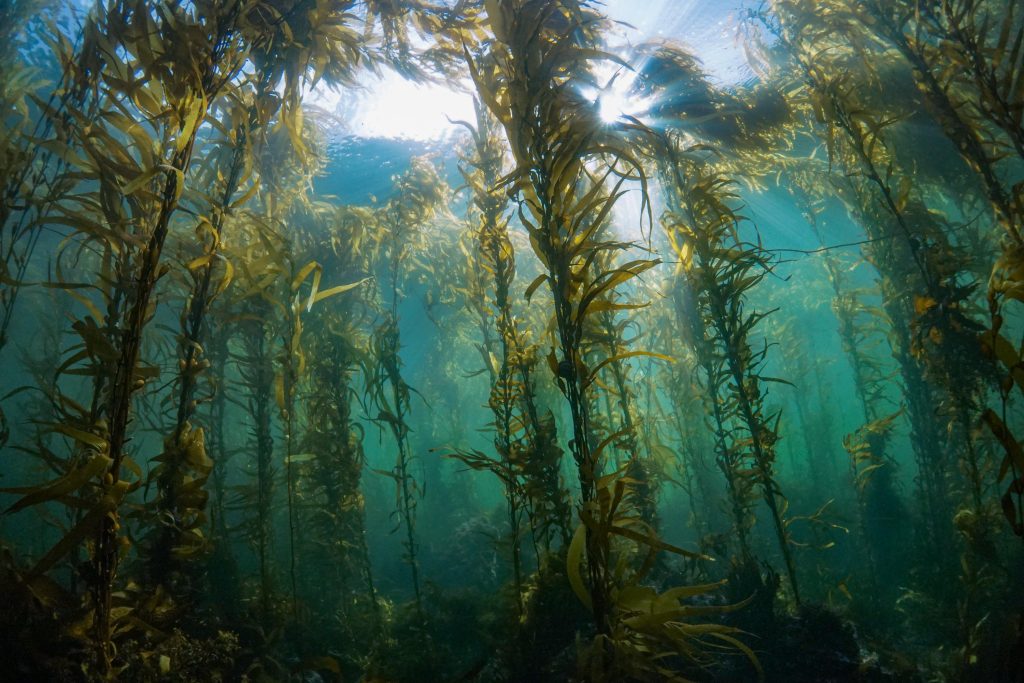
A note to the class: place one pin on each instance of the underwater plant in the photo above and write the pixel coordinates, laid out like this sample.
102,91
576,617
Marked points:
881,202
255,366
529,103
140,183
184,467
528,457
862,329
685,397
722,269
334,517
205,310
31,173
401,220
527,82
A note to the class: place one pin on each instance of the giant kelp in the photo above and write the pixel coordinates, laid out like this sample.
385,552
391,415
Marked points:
246,419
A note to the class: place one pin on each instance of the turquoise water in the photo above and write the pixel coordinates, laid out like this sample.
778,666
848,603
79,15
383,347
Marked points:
525,340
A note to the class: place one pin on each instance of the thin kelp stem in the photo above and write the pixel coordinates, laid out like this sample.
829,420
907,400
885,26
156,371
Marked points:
257,371
31,190
723,270
402,219
184,464
482,170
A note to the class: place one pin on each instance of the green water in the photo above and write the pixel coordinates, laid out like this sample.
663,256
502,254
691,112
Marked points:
511,340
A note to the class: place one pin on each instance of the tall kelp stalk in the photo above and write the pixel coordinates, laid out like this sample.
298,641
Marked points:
482,170
906,243
224,576
942,326
394,233
862,329
528,457
334,516
32,152
607,334
292,287
33,177
183,467
552,132
331,49
788,333
926,282
968,60
164,70
685,396
722,270
713,377
252,318
201,47
570,172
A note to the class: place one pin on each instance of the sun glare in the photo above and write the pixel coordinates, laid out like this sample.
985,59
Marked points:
615,101
393,107
615,98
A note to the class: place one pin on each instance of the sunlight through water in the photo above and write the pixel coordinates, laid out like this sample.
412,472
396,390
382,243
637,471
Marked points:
393,107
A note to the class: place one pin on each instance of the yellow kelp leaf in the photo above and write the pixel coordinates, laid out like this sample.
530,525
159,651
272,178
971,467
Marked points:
89,305
923,304
88,438
682,592
1007,277
652,541
596,455
1006,353
724,636
179,183
194,444
553,362
199,261
83,529
623,356
499,20
1014,453
141,180
145,100
303,273
340,289
606,305
193,118
636,598
540,279
573,560
225,281
279,392
69,483
238,203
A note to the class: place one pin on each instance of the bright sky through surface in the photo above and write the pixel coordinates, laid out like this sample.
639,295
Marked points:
393,107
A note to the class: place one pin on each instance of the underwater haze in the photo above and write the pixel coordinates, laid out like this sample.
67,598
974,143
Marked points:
506,341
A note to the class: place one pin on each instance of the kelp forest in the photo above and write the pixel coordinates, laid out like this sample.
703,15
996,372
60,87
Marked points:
638,373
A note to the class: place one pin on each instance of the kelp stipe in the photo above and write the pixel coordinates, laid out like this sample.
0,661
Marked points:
200,284
722,270
521,31
528,457
401,219
862,330
335,525
553,132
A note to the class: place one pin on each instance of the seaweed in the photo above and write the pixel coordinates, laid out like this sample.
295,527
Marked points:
206,316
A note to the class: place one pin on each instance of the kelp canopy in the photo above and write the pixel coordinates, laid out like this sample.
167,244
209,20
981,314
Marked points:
643,374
